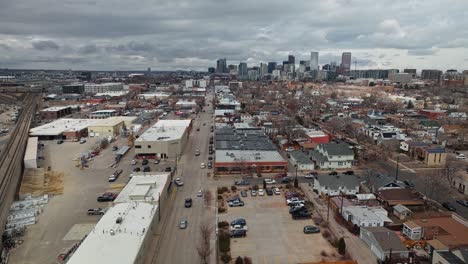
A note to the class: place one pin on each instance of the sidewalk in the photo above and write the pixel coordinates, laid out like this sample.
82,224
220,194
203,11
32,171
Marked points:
356,248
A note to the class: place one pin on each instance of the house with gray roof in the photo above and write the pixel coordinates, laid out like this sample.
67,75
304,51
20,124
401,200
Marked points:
333,156
334,185
383,242
302,160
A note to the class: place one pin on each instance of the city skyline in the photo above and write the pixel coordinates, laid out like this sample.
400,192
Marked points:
192,36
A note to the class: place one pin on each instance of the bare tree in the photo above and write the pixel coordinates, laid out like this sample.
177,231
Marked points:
204,248
207,197
436,186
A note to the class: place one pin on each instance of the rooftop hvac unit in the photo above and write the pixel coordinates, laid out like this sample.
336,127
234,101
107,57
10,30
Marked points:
119,220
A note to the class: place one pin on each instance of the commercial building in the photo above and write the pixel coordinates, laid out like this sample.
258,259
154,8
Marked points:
271,67
73,88
364,216
412,72
431,75
103,87
143,187
108,127
314,59
345,66
30,155
400,77
165,139
65,128
195,83
122,235
102,114
55,112
243,70
317,136
246,151
221,66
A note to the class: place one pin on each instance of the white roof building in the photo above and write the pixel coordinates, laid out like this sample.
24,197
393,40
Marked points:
30,155
165,130
247,156
119,237
143,188
59,126
364,216
55,108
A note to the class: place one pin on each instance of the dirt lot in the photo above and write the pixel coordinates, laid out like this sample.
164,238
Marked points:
273,236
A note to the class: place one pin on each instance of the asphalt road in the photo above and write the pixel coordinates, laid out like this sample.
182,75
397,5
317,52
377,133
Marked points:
177,245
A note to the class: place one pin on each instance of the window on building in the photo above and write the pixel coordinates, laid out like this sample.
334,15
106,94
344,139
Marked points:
149,146
340,163
138,146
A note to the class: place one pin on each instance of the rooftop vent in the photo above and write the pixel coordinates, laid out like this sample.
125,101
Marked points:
119,220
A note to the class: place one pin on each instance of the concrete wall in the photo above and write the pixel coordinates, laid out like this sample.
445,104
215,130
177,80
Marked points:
105,131
169,148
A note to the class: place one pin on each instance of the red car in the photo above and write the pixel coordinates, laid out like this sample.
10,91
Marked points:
281,175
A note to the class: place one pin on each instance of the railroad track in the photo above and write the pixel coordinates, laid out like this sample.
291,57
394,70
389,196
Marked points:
8,98
11,158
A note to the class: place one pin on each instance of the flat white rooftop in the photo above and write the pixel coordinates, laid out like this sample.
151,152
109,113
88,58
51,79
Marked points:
59,126
143,188
112,93
165,130
110,121
113,242
55,108
31,149
315,133
247,156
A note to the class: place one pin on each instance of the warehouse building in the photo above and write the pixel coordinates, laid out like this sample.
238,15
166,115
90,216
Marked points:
122,235
108,127
102,114
165,139
65,128
143,187
55,112
30,155
246,151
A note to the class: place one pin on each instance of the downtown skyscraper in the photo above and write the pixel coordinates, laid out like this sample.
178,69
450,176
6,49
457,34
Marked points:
314,58
345,66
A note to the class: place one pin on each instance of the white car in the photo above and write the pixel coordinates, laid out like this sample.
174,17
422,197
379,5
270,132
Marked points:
290,149
310,175
202,165
238,227
276,191
269,181
197,152
261,192
460,156
134,162
200,193
178,182
253,193
294,200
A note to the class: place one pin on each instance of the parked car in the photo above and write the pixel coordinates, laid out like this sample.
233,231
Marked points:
311,229
463,202
210,158
448,206
156,161
202,166
261,192
269,192
236,203
294,200
290,149
199,193
183,224
333,173
277,191
134,162
168,169
297,208
243,193
178,182
238,233
239,221
188,202
253,193
136,169
146,169
281,175
144,162
210,165
309,176
460,156
97,211
408,184
350,172
238,227
82,141
269,181
59,142
107,197
286,180
241,182
301,214
115,148
231,199
197,152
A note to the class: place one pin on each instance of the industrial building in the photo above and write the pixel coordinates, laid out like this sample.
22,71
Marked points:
55,112
103,87
65,128
102,114
246,151
108,127
122,235
165,139
30,155
143,187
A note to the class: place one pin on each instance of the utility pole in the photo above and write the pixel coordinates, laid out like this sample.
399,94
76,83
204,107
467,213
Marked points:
328,208
397,168
159,207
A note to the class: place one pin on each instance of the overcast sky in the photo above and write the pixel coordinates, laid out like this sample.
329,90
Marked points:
192,34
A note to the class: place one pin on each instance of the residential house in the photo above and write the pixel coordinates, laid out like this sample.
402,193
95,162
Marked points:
301,160
453,130
382,133
432,156
383,242
429,124
335,185
408,146
383,182
448,257
460,182
448,231
333,156
406,197
364,216
401,211
433,114
458,115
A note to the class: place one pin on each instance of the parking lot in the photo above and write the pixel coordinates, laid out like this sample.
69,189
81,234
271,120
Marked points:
64,221
273,236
